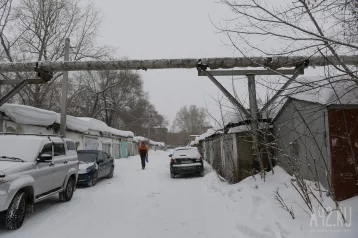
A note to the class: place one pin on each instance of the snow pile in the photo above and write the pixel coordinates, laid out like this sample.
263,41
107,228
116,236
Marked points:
34,116
260,215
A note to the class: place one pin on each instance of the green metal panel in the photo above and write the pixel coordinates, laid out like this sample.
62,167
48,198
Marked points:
124,151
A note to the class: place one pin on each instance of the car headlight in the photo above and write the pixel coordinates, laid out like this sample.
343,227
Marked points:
88,170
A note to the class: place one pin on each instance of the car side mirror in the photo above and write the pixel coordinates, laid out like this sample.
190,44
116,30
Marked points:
44,158
171,155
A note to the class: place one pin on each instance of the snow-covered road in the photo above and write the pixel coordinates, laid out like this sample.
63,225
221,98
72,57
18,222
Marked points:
149,204
134,203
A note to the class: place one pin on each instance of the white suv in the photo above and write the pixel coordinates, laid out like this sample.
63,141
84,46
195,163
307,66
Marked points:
33,168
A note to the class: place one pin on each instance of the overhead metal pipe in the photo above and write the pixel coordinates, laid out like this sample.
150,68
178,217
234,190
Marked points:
212,63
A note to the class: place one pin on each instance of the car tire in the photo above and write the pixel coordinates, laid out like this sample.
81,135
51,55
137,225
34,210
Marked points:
67,194
202,174
172,175
110,175
93,180
15,215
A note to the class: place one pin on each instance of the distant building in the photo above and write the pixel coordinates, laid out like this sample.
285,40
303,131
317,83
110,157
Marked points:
177,139
155,133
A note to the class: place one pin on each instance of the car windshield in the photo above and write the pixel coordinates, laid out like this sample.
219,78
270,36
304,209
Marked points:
87,157
24,148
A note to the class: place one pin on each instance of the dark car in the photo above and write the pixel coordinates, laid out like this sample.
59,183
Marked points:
186,160
94,165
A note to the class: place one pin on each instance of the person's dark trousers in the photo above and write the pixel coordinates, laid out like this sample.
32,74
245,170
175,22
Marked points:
143,162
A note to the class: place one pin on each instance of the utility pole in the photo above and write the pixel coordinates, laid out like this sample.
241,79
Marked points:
149,123
254,120
64,90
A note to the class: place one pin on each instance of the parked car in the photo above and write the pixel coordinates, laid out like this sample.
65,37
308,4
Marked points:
186,160
33,168
94,165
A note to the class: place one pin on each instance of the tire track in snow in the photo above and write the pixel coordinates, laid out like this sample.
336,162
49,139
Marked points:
135,203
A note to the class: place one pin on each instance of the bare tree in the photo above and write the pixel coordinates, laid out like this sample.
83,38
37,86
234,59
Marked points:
302,27
36,31
191,119
115,97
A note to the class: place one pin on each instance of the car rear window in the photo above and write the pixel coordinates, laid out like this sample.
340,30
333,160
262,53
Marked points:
86,156
190,152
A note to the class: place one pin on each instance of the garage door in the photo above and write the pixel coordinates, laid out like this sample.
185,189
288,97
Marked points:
106,148
124,153
116,151
91,143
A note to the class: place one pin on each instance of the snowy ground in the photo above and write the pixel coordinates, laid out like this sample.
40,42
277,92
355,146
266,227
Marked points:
149,203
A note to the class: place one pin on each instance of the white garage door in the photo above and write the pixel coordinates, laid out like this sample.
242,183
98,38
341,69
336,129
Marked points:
116,151
106,148
91,143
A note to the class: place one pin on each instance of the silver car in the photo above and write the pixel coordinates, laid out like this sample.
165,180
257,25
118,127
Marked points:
33,168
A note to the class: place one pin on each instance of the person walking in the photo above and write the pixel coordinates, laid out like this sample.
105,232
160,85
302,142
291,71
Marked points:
143,153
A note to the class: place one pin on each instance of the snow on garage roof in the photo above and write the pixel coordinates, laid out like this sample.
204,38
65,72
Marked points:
207,134
29,115
141,138
157,143
317,89
246,128
340,91
98,125
34,116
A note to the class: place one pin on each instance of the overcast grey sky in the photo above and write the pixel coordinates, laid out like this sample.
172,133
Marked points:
156,29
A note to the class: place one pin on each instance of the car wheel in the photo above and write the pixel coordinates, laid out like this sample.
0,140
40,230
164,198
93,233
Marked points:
93,180
201,174
172,175
110,175
67,194
15,215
